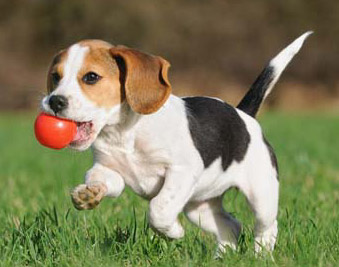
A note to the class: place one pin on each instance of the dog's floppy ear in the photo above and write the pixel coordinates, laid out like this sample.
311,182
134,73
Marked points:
144,78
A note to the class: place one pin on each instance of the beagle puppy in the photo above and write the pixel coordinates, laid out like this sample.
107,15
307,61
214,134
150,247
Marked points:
182,154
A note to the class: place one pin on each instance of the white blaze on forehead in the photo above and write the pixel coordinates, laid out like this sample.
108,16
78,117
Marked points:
75,58
69,86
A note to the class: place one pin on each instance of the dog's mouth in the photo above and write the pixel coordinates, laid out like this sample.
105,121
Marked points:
85,132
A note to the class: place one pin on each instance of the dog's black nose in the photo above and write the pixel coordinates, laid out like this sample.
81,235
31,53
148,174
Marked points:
57,103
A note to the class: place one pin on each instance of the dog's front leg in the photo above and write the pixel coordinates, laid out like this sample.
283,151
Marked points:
172,198
100,181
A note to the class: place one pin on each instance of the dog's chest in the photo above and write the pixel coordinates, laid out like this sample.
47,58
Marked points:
142,169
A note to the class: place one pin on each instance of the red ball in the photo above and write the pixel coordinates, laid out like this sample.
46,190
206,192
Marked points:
54,132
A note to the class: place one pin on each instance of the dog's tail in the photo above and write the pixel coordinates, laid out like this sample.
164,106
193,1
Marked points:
263,85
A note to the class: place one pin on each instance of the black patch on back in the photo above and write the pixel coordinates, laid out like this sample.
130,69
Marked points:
254,97
217,130
273,157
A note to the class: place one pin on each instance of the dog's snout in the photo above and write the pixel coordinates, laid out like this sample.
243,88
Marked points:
58,103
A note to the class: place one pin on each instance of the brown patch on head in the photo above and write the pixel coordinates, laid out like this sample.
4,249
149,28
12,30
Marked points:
107,92
56,67
144,78
124,73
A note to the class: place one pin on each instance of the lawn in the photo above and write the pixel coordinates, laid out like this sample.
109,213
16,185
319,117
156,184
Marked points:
39,226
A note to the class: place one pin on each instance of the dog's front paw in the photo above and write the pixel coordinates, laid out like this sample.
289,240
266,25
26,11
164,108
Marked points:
87,197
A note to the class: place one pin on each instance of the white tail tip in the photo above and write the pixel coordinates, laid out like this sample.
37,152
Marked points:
285,56
297,44
280,62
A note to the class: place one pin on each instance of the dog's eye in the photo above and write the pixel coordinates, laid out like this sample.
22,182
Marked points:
55,78
91,78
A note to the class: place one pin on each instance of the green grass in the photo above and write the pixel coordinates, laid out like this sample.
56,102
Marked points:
39,226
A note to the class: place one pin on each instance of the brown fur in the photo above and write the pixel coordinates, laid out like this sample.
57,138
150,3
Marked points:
107,92
146,82
57,65
126,73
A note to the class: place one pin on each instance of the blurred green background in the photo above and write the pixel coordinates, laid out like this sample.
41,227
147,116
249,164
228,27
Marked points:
216,47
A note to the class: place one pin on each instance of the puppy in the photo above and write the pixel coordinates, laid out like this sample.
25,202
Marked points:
182,154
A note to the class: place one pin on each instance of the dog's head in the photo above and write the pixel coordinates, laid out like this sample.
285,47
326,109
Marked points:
89,81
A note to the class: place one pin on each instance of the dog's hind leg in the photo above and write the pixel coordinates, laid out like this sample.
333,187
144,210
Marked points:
265,207
211,216
263,196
